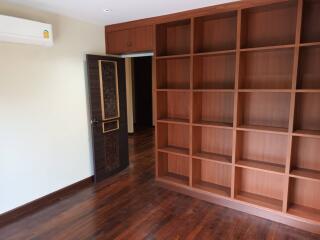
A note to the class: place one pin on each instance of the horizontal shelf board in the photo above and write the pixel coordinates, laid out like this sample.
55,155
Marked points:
173,90
179,179
213,90
308,90
175,150
213,124
263,166
266,129
173,56
213,188
267,48
215,53
174,120
304,212
307,133
267,90
310,44
262,201
305,174
213,157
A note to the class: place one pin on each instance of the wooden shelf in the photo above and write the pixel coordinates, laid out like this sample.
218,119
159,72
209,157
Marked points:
213,124
265,129
223,52
305,174
214,71
254,90
309,71
213,90
174,120
173,73
216,32
269,25
267,69
175,178
310,31
259,165
173,38
307,133
276,47
174,150
304,212
213,157
178,56
259,200
304,198
274,113
213,188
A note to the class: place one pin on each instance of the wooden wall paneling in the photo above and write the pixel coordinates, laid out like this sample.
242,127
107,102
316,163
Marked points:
265,151
117,42
310,23
212,177
214,71
309,71
212,144
268,69
174,73
216,32
192,35
274,115
269,25
292,103
174,38
213,108
304,199
142,38
260,188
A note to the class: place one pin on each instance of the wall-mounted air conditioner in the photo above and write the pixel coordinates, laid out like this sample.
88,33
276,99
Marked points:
20,30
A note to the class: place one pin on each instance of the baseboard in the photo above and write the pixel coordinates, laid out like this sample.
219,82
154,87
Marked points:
285,219
31,207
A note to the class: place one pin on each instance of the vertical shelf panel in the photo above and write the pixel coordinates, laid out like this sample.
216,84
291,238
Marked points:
309,70
310,22
213,108
214,71
269,25
270,69
216,32
173,38
173,73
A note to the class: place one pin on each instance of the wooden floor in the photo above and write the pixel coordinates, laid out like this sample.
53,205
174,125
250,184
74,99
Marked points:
132,206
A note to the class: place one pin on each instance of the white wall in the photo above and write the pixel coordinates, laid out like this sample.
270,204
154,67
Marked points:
44,129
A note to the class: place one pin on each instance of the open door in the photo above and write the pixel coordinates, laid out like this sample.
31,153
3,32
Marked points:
106,77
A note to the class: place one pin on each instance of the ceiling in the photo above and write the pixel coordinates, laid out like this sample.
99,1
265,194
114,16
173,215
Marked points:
120,10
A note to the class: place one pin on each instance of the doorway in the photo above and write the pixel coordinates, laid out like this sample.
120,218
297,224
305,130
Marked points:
141,99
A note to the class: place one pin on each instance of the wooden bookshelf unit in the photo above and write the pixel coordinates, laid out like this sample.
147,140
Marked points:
238,108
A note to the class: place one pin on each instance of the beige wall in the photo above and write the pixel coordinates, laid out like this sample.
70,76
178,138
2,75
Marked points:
44,124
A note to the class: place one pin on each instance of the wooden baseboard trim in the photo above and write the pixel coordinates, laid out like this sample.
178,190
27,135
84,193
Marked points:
31,207
285,219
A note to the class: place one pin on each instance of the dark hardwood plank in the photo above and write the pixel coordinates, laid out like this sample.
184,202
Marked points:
131,205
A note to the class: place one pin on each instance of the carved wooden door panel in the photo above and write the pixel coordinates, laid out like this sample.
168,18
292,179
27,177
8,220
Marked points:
106,76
